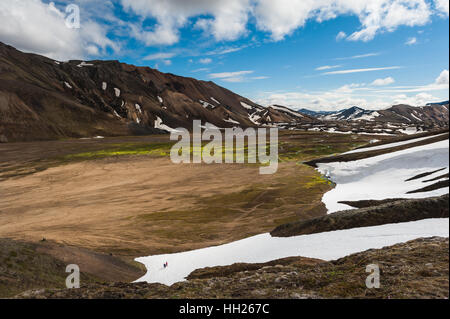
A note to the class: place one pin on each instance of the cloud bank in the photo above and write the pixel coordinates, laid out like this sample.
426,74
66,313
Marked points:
38,25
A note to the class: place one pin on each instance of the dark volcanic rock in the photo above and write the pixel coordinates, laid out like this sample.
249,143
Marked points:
415,269
391,212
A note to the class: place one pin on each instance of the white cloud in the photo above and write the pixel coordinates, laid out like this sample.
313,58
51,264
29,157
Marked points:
225,50
34,26
420,99
361,70
411,41
442,6
383,82
165,34
388,15
359,94
341,35
200,70
238,76
359,56
331,100
442,79
228,22
343,98
159,56
229,74
228,19
205,61
441,83
349,88
283,17
327,67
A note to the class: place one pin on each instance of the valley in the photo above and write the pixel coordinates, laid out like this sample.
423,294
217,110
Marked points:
86,177
110,195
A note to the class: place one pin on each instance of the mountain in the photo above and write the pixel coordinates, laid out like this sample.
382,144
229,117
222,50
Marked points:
280,114
438,103
41,99
314,113
354,113
435,113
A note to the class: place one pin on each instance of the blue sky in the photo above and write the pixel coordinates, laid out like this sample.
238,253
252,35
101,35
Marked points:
322,54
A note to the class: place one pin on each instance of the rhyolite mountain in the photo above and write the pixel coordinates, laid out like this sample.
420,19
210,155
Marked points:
41,99
432,113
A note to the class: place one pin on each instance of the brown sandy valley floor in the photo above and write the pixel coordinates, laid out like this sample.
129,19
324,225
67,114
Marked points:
138,204
150,205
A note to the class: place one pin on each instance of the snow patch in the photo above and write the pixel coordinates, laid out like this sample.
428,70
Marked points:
213,99
384,176
159,125
160,99
138,108
84,64
206,104
409,130
264,248
417,118
254,118
68,85
117,92
104,86
230,120
284,109
368,117
245,105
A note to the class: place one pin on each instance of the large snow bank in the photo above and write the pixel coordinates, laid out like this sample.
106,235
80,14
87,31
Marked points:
263,248
385,176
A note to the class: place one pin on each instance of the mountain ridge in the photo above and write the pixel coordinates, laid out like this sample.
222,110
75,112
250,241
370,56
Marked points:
41,99
44,99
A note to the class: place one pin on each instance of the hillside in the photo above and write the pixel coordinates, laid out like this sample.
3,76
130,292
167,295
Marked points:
431,114
44,99
415,269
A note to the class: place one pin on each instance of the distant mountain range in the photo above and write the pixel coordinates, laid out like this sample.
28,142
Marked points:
438,103
43,99
437,113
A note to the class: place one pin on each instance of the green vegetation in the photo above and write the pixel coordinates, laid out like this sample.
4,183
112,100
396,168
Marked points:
23,267
158,149
318,180
245,212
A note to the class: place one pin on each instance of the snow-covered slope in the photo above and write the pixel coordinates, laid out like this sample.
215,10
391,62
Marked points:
389,145
384,176
405,114
377,177
352,114
264,248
